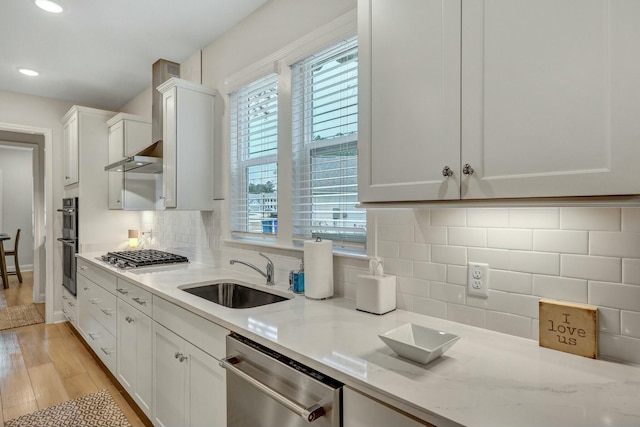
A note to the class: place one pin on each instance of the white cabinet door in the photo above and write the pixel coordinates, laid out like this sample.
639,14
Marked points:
189,386
206,390
409,89
134,354
550,96
361,411
70,148
188,139
168,376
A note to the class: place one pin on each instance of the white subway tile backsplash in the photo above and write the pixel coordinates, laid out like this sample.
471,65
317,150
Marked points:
623,245
496,258
615,295
561,288
456,275
534,262
569,242
404,302
619,347
522,305
432,235
534,218
510,239
411,286
509,324
393,217
448,293
631,219
395,233
483,217
604,219
631,271
510,281
449,254
459,236
430,307
449,217
398,267
430,271
630,323
415,251
388,249
467,315
609,320
591,267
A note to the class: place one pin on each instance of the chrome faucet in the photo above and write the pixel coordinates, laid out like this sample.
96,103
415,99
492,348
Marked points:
270,270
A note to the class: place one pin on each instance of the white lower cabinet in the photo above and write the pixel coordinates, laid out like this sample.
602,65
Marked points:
359,410
189,386
134,336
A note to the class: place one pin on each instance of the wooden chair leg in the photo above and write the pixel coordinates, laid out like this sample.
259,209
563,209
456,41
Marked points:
17,265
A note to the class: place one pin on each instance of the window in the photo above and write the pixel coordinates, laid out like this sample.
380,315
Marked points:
325,153
254,150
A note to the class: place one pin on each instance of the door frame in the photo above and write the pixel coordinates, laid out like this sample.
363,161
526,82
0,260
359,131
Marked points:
43,237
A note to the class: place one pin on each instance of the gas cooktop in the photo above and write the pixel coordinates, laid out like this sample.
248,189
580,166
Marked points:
142,258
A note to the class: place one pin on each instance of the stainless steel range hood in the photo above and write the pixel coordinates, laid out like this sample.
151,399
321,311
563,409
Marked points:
149,160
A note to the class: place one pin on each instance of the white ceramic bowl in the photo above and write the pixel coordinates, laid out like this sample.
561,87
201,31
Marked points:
418,343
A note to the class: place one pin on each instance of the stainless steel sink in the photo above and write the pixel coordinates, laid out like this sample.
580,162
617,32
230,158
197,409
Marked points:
234,295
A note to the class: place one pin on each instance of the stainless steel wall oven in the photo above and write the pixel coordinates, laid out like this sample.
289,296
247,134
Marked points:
69,241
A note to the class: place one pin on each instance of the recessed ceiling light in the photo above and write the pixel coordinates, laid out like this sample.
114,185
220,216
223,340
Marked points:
49,6
28,72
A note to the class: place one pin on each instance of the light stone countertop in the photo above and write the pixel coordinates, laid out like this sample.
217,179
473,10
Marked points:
486,379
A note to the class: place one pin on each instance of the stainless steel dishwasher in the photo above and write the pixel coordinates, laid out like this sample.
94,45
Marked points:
266,388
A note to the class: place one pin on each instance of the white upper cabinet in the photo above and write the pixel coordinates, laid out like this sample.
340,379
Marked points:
70,149
188,138
409,88
549,94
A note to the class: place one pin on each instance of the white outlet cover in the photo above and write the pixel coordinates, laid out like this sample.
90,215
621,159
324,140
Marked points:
478,279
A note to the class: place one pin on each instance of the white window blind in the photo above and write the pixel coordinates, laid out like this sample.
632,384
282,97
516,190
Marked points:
254,150
325,152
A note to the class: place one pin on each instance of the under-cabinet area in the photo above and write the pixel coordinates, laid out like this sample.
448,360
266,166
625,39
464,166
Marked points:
167,348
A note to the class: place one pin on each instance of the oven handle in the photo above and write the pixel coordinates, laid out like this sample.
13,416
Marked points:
68,211
67,241
310,414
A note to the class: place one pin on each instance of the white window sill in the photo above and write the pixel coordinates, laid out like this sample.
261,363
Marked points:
264,243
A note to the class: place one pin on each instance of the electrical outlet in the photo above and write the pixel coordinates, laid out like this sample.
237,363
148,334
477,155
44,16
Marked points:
478,279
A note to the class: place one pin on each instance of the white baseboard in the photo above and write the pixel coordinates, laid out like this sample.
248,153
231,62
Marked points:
58,316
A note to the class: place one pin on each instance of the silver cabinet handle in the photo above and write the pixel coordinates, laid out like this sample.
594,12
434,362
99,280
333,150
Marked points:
129,319
107,312
82,267
123,291
94,301
92,336
86,288
65,297
139,301
67,177
310,413
447,172
467,169
72,304
107,350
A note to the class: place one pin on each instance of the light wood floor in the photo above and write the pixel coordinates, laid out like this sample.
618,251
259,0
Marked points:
43,365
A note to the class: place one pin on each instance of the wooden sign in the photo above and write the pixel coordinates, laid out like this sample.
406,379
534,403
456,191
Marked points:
569,327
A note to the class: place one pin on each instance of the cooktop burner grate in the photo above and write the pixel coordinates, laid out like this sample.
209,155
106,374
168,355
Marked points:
142,258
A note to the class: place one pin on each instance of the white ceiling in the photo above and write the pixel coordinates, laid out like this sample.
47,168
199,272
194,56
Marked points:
100,53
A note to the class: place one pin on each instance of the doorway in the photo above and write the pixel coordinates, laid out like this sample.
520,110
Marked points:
39,141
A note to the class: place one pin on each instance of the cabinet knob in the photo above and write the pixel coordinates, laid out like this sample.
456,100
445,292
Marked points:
129,319
178,354
467,169
67,177
183,358
447,172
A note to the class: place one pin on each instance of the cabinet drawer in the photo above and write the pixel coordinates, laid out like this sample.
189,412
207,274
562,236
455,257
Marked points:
201,332
100,340
97,275
69,303
135,295
102,306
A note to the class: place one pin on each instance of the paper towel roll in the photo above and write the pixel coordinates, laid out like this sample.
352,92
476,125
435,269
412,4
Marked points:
318,269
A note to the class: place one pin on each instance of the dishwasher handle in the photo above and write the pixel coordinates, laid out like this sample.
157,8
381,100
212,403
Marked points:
310,413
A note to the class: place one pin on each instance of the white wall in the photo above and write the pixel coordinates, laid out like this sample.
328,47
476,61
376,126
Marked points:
17,201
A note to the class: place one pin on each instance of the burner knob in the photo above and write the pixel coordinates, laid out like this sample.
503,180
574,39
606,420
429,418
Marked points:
120,264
